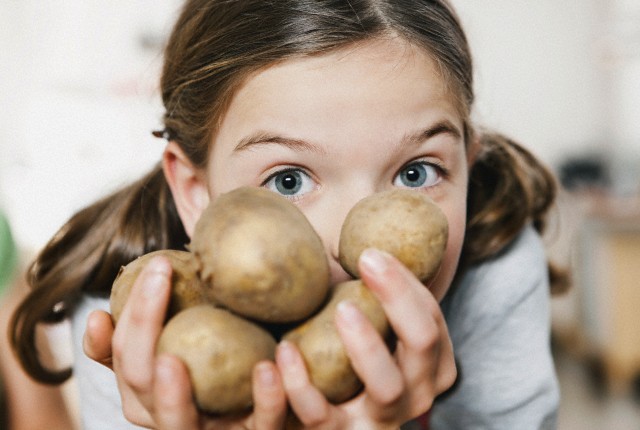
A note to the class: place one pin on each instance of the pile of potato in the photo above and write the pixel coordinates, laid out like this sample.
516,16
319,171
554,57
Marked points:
256,272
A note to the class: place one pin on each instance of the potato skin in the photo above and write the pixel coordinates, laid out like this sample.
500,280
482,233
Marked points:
326,359
405,223
220,350
186,289
260,257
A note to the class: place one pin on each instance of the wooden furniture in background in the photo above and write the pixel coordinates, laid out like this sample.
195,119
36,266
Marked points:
607,279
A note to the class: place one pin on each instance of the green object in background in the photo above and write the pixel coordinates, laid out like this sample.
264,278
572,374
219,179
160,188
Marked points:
8,253
8,260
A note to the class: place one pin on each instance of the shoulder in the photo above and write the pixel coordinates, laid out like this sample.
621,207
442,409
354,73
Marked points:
500,302
498,316
505,297
498,285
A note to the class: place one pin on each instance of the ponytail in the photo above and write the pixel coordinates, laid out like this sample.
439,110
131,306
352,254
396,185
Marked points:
85,256
508,188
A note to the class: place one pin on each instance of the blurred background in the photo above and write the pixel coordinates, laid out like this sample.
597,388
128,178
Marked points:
78,91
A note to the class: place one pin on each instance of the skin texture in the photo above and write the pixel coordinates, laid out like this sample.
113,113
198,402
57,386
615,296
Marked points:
186,289
351,122
259,257
407,225
331,110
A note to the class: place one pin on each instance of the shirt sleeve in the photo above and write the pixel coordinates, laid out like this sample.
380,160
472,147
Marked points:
498,317
99,399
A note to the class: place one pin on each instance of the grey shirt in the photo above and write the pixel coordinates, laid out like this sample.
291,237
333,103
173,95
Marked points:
498,318
499,321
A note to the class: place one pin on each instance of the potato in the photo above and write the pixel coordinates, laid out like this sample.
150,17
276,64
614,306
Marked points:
186,289
260,257
219,350
320,344
405,223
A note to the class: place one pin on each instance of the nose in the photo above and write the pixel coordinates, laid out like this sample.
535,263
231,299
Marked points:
328,224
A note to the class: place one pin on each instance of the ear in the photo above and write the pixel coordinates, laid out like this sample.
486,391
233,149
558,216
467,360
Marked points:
187,183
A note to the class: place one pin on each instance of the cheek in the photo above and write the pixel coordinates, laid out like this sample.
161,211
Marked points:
442,282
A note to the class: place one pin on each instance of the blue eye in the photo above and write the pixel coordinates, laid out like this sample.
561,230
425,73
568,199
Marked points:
290,183
417,175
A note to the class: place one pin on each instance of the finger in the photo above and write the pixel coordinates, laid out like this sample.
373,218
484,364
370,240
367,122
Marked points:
369,355
435,379
309,405
408,304
133,410
139,326
97,346
172,396
447,372
96,342
424,351
270,402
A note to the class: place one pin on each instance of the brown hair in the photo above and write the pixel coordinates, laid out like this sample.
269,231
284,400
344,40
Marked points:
214,47
508,188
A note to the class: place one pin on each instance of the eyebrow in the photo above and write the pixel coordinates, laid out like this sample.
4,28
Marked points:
442,127
264,138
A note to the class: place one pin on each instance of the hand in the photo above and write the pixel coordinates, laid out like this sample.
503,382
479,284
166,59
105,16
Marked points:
398,387
156,391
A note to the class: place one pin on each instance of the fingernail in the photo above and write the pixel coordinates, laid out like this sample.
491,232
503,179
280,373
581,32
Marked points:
87,343
159,266
374,261
349,314
286,354
266,375
164,372
157,274
87,339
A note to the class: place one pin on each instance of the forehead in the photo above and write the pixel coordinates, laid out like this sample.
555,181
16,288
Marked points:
390,52
396,62
378,74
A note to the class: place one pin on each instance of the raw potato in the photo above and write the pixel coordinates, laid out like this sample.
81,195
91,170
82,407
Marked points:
260,257
405,223
320,344
256,255
220,351
186,289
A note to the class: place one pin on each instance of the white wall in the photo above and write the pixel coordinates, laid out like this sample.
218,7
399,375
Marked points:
79,102
538,71
77,90
623,67
561,77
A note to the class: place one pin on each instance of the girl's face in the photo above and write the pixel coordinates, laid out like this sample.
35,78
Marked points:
329,130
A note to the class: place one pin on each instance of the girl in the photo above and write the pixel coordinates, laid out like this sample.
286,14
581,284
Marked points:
325,102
